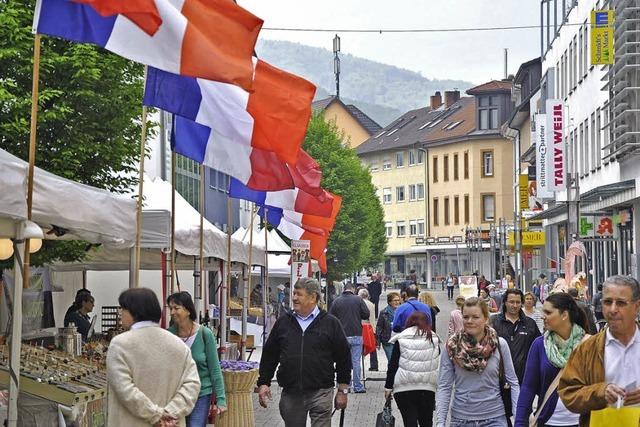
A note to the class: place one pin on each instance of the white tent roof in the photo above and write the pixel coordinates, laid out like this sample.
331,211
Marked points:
157,195
88,213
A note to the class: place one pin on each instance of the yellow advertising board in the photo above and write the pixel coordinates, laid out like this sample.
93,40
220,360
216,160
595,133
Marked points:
523,189
602,37
529,238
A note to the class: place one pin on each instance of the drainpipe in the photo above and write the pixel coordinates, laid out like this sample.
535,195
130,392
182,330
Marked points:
427,223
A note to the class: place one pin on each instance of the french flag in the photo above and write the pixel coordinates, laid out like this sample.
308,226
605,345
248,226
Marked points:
312,223
271,118
210,39
292,199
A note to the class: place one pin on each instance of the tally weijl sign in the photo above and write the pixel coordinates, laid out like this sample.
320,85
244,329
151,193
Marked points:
543,191
556,152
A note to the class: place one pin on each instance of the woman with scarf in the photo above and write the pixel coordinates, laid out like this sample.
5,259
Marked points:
565,324
473,360
491,303
385,320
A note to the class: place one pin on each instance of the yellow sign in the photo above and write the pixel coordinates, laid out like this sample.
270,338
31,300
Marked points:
523,188
602,37
529,238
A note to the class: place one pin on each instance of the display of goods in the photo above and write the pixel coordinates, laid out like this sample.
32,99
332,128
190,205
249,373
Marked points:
238,365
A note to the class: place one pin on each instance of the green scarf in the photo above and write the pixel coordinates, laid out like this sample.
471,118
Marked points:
559,350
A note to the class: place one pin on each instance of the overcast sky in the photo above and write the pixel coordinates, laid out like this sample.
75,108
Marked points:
472,56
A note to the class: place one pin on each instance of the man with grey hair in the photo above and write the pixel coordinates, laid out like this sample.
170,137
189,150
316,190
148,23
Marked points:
604,370
351,310
307,342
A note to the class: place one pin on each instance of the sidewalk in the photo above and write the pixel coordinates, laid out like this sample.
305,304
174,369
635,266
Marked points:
362,408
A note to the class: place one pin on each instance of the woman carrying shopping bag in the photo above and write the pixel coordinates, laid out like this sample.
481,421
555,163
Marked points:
412,374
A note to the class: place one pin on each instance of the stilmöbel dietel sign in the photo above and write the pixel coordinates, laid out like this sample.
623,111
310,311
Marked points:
556,153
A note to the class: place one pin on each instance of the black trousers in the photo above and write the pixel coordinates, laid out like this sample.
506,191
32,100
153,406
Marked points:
450,292
416,407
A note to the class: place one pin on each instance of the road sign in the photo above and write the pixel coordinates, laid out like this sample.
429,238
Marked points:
434,258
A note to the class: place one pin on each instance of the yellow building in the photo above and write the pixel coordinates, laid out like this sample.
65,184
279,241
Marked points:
356,125
447,163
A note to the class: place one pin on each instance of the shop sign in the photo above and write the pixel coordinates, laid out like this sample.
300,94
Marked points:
444,240
543,190
602,51
300,259
523,190
555,157
431,240
529,238
457,239
535,202
419,240
599,226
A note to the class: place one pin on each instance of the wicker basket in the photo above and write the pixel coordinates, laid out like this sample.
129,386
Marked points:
238,387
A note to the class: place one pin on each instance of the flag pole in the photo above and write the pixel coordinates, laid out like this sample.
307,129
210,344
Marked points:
265,289
32,153
143,144
246,290
226,284
199,290
173,221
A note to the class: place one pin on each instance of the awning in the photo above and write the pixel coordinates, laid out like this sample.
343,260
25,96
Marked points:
609,190
550,212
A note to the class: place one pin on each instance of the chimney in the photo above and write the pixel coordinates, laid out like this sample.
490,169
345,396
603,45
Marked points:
436,101
451,97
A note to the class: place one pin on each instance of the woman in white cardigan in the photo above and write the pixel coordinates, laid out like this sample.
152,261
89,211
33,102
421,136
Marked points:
152,378
412,374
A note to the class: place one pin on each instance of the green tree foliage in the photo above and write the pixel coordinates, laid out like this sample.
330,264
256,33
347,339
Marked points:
90,104
358,239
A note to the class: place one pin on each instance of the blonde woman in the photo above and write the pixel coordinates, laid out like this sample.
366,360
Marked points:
473,361
426,297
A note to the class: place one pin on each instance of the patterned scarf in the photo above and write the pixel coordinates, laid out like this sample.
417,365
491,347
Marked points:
559,350
470,354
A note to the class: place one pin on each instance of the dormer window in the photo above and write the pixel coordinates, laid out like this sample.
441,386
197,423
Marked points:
488,108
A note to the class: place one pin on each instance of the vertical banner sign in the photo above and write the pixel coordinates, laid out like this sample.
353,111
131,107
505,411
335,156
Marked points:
602,52
535,202
556,153
542,171
300,260
523,189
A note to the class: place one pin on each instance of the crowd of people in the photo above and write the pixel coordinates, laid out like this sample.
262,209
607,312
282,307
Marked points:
501,363
490,369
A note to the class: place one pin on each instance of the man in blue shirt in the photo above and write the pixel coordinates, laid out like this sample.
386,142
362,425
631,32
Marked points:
410,305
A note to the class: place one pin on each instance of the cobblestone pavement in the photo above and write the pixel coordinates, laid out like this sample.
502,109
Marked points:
362,408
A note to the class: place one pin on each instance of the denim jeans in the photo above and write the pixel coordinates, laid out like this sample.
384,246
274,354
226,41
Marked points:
198,417
490,422
356,354
388,348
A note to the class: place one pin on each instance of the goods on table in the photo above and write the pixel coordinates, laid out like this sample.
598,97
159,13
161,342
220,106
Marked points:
239,380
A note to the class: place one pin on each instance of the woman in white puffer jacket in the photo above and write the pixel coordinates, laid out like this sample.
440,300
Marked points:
412,375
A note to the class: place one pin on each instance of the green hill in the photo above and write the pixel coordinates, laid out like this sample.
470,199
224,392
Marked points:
380,90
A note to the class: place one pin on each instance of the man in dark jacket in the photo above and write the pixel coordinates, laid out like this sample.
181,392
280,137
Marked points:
516,328
306,342
375,289
351,310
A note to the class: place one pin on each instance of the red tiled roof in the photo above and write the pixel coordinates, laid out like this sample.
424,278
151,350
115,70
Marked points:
492,86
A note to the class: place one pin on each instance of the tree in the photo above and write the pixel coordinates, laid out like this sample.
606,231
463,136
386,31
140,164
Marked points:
358,239
90,104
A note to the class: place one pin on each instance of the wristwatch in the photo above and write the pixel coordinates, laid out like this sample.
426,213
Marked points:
344,391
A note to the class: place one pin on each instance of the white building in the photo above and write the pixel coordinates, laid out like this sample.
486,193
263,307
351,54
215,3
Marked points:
602,107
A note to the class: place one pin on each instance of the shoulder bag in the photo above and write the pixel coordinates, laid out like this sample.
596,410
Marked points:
505,389
213,407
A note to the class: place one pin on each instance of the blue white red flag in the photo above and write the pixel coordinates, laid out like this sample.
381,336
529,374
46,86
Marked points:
212,39
291,200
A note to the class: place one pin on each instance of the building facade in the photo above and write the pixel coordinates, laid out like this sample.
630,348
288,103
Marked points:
443,174
356,126
601,138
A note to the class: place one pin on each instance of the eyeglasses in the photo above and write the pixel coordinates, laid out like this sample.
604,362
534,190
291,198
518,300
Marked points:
621,303
395,300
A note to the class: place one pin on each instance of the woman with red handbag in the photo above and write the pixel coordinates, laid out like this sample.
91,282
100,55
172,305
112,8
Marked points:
204,352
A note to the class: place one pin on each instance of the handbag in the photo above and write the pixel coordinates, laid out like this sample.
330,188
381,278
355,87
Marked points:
213,407
622,417
505,389
368,339
386,418
533,419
